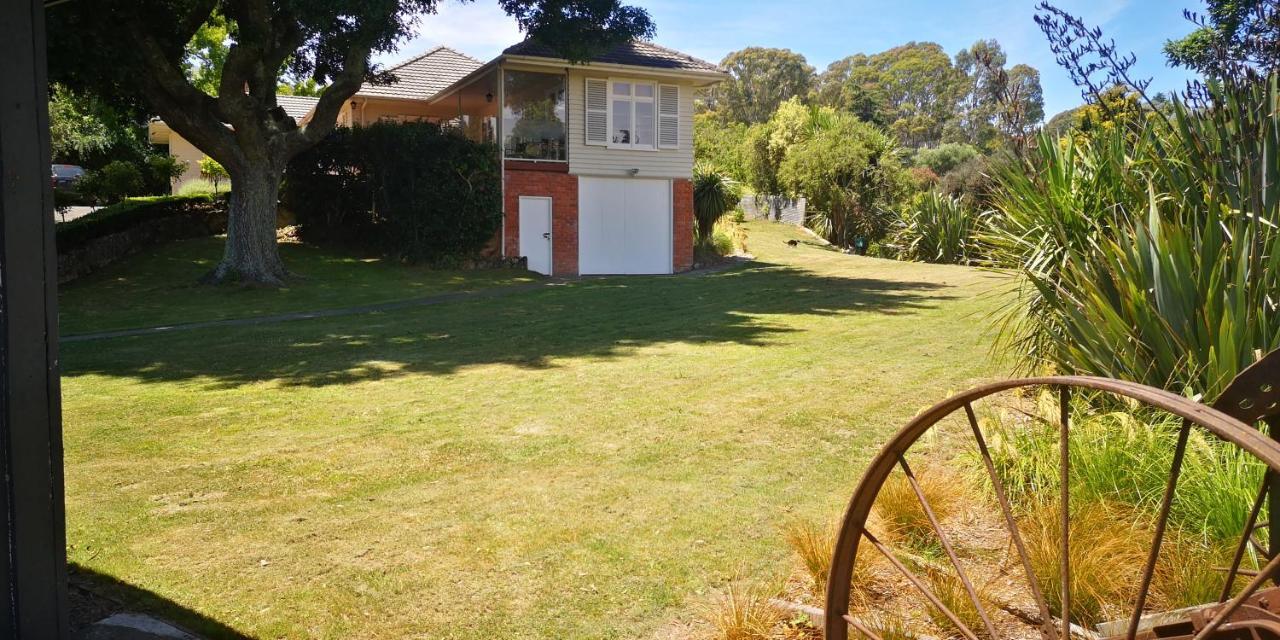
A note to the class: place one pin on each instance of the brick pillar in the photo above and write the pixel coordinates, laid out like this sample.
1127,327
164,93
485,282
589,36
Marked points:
682,225
547,180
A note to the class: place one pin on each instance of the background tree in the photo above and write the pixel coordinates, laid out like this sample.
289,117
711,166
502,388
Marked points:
136,50
760,80
996,105
910,89
1234,37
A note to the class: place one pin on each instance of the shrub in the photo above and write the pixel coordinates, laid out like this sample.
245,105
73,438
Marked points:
130,213
214,172
412,190
162,169
1123,459
814,545
951,591
971,179
850,174
1106,554
898,507
714,194
202,187
943,158
937,228
115,181
745,613
1150,255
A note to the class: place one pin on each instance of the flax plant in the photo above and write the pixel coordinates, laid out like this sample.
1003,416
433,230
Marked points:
1149,254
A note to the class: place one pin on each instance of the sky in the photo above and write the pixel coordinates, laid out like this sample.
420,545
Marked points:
827,30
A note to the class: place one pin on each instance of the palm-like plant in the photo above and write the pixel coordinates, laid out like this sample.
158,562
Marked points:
714,194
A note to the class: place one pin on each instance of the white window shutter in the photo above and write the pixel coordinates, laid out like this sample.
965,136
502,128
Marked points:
668,116
597,112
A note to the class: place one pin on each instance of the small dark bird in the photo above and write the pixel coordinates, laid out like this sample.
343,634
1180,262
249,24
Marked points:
793,243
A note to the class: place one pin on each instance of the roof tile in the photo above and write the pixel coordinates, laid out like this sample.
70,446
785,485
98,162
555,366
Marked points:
424,76
636,52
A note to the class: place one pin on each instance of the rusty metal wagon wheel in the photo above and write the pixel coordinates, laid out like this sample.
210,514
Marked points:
1252,398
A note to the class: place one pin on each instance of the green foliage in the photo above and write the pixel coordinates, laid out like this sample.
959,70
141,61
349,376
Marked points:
213,171
714,194
1121,458
937,228
943,158
1238,36
761,80
201,187
971,179
850,174
162,167
413,190
127,214
1153,255
910,89
720,144
113,182
78,126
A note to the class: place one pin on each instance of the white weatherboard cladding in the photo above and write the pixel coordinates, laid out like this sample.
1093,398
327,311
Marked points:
624,226
597,160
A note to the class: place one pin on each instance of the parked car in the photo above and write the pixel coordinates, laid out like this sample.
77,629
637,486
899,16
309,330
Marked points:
65,176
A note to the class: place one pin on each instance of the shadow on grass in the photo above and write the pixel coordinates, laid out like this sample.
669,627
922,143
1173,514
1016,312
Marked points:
94,596
591,318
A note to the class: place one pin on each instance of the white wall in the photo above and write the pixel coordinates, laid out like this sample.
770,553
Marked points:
595,160
186,152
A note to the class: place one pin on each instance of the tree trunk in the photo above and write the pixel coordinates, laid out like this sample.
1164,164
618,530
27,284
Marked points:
251,255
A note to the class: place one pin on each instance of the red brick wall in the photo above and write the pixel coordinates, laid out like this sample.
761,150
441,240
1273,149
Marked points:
682,225
549,181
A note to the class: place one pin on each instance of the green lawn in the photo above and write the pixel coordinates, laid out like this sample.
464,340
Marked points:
586,460
161,287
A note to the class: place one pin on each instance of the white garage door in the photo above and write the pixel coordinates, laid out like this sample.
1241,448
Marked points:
624,226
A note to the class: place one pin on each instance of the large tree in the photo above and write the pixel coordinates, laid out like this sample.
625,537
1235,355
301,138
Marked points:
911,89
995,100
136,50
761,79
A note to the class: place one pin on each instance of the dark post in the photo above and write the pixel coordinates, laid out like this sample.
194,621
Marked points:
33,600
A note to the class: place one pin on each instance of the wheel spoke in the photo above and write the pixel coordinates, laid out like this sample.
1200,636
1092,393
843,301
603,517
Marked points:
1064,491
919,585
1161,522
1014,534
946,546
1245,538
1235,603
862,628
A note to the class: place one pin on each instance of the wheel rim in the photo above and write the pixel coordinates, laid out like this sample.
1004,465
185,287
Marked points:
853,537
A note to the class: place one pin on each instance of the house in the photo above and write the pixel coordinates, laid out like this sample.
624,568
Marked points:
597,157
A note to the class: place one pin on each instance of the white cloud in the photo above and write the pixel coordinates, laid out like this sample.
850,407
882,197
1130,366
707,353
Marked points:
479,29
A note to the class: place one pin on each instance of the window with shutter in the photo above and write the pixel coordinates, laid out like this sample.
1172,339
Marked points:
597,116
668,116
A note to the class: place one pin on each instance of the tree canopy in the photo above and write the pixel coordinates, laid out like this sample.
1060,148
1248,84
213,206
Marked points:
1233,37
760,80
137,51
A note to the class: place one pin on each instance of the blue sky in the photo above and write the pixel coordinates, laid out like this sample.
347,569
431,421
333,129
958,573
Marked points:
827,30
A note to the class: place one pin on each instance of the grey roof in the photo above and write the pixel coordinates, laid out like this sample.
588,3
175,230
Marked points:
424,76
636,53
296,107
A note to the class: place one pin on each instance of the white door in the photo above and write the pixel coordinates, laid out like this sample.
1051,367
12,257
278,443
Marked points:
535,233
624,226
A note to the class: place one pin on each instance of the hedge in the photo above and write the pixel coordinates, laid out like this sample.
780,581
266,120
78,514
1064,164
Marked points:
414,190
128,214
